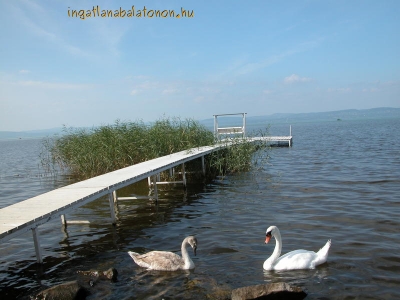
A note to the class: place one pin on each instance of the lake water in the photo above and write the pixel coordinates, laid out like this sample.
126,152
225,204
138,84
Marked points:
339,181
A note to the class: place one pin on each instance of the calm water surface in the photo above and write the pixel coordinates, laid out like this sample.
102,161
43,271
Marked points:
339,181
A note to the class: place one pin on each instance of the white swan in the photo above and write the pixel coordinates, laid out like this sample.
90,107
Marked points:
294,260
167,261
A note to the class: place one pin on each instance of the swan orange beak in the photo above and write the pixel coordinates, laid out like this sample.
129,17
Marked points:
267,239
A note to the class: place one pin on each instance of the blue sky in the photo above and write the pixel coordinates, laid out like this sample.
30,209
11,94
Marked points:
259,57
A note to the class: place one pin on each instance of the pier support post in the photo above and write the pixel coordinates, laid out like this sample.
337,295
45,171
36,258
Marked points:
63,221
244,125
184,175
115,197
215,127
155,187
38,250
112,209
203,166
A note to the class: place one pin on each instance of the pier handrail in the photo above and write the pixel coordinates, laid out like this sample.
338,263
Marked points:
232,129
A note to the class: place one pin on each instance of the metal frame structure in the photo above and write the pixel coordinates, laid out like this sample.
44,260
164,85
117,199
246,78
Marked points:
229,130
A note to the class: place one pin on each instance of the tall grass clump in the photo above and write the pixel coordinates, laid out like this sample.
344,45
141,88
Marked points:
90,152
173,135
239,155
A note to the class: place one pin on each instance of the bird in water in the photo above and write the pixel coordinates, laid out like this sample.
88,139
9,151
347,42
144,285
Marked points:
294,260
167,261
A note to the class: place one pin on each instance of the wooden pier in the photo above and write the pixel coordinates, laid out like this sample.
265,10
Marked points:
241,131
27,215
278,140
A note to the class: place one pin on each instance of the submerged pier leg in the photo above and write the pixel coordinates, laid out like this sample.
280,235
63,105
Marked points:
184,175
112,209
63,221
203,166
115,197
38,250
155,187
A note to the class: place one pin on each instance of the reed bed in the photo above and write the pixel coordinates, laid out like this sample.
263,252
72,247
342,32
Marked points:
86,153
239,155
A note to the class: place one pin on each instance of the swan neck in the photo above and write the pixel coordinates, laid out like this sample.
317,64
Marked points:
278,246
185,255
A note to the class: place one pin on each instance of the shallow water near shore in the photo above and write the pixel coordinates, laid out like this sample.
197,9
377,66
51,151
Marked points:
339,181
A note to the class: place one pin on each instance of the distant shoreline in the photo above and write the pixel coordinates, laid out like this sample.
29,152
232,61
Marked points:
278,118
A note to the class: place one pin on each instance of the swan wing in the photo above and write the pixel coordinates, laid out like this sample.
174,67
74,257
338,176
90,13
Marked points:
322,254
136,258
297,259
159,260
302,259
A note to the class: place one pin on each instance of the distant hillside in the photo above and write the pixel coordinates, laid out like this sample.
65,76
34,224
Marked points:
350,114
30,134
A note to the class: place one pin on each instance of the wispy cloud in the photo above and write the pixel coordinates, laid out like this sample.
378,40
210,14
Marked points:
24,71
141,86
145,84
109,33
247,68
339,90
41,22
141,77
295,78
148,85
134,92
169,91
371,90
267,92
47,84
